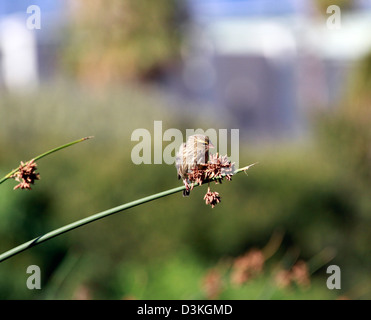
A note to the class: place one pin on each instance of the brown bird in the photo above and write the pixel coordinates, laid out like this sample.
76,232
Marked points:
192,153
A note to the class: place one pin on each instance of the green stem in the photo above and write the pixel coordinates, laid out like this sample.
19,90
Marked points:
97,216
7,176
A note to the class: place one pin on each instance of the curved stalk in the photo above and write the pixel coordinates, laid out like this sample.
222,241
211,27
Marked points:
7,176
94,217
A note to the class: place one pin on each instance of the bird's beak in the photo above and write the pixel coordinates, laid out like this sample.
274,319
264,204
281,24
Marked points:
211,145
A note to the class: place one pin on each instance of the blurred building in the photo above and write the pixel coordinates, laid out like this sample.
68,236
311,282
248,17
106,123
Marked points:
265,63
28,50
261,64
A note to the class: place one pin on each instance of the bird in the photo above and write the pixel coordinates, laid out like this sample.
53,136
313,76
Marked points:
192,153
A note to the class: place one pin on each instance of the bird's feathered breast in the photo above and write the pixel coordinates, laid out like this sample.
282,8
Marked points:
194,152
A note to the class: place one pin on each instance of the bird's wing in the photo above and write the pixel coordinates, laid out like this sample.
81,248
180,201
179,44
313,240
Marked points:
179,159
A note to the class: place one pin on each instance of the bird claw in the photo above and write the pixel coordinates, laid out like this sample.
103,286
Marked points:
186,185
186,192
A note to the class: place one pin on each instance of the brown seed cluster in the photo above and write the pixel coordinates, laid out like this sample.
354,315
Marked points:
216,169
212,284
239,271
212,198
298,274
26,175
247,266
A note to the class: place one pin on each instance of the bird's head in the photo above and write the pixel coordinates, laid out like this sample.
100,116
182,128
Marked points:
202,141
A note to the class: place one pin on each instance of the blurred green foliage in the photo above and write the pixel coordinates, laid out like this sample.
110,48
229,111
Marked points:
316,194
125,40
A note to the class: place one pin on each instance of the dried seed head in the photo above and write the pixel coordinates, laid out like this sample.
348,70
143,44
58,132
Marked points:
283,278
217,168
247,266
212,198
212,284
26,175
299,274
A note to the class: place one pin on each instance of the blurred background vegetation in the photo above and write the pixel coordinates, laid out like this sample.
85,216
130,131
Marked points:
304,207
127,40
